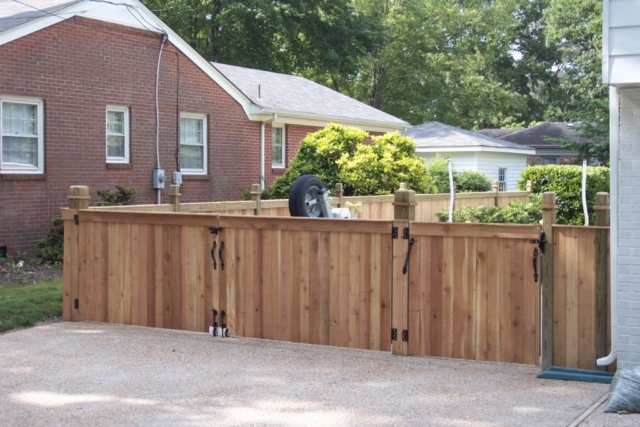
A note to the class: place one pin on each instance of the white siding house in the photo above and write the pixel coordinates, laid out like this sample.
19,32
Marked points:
621,71
499,160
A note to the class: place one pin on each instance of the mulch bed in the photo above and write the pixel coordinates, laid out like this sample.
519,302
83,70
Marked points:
28,274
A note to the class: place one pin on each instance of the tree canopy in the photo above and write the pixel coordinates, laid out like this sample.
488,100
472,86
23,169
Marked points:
468,63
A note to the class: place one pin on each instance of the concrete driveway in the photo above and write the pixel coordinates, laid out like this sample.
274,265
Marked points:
73,374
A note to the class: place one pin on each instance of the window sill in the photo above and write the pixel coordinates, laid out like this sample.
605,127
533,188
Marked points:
195,177
23,177
119,166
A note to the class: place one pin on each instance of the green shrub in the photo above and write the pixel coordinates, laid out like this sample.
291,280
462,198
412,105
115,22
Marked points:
438,169
379,168
336,154
318,155
566,182
118,197
51,246
514,213
471,181
266,194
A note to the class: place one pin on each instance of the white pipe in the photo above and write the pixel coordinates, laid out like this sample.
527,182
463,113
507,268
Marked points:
613,260
584,193
165,38
262,142
451,193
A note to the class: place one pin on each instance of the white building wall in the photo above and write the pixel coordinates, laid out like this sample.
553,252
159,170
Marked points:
459,161
489,163
629,228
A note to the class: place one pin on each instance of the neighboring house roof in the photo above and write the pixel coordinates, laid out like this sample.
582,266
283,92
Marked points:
537,136
288,94
295,100
437,137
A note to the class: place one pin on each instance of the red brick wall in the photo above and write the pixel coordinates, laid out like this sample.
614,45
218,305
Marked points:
80,66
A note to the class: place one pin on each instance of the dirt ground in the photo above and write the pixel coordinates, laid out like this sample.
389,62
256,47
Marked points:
65,374
11,273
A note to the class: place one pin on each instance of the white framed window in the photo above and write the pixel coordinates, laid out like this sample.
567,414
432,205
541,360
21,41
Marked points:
193,143
117,134
21,135
277,147
502,179
549,160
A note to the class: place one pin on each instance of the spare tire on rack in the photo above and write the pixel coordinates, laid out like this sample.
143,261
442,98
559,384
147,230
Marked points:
304,197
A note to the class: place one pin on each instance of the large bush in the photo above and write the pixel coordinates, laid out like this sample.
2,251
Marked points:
439,170
514,213
566,182
337,154
379,168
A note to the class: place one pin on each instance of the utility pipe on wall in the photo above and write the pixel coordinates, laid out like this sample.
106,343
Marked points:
613,260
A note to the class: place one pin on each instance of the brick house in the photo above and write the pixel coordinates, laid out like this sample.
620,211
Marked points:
621,71
78,107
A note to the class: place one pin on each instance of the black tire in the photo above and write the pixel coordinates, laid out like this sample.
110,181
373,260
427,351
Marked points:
304,190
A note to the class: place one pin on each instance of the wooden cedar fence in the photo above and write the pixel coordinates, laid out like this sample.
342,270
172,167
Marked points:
373,207
469,292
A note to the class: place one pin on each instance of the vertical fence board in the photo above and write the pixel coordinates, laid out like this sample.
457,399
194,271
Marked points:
355,263
334,290
314,288
324,280
305,262
287,287
517,285
586,299
571,298
344,278
560,298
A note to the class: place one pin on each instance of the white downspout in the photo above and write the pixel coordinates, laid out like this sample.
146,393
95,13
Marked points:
262,128
614,123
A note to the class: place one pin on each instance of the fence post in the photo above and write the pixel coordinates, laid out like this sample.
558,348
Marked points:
602,273
529,185
78,197
495,188
338,191
256,196
174,197
548,219
404,212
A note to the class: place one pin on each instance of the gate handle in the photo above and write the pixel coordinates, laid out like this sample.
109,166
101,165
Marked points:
535,264
220,254
213,254
405,269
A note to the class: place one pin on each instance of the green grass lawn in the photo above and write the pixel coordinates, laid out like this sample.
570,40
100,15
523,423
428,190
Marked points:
22,305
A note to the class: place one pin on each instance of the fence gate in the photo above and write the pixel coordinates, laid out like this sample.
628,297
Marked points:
473,292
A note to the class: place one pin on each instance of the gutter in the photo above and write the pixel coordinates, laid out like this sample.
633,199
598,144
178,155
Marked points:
614,122
262,145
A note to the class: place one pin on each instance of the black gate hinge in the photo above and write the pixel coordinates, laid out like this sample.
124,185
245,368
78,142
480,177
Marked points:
76,304
394,334
394,232
405,335
76,219
405,233
215,230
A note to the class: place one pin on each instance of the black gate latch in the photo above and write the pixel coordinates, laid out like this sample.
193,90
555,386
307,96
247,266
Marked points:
542,242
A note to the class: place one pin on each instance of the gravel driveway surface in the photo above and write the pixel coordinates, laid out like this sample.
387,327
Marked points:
89,374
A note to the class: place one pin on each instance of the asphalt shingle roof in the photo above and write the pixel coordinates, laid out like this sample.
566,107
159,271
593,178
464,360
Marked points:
295,94
536,137
436,134
13,13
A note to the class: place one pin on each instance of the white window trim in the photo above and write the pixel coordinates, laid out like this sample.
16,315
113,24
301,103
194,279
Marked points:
40,117
284,151
502,182
125,110
205,149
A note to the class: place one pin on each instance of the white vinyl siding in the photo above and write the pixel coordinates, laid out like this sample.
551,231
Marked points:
193,143
621,49
21,135
490,163
459,161
117,132
277,147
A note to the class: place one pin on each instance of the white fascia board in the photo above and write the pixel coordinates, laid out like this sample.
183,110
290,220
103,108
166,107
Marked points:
605,42
287,117
529,152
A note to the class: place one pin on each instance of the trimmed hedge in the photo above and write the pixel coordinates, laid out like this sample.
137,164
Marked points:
514,213
566,182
